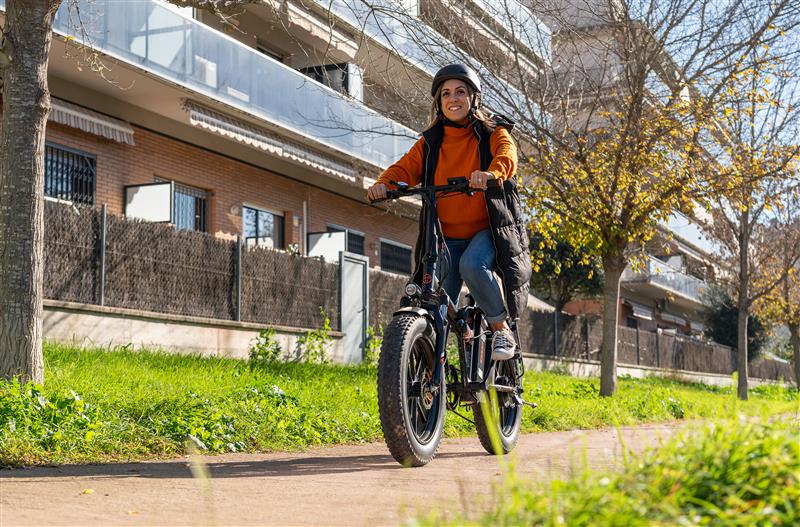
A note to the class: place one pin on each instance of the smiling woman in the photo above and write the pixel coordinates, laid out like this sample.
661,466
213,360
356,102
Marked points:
464,140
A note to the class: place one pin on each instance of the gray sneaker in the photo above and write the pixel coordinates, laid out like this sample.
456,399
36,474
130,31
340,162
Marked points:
503,345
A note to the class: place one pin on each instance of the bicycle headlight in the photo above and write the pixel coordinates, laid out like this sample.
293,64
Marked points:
412,289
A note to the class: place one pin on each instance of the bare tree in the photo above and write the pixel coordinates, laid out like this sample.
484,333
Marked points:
24,47
780,244
759,116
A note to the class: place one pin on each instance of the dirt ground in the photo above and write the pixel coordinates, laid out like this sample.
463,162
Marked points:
344,485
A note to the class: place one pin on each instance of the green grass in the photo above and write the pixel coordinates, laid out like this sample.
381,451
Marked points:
735,472
101,405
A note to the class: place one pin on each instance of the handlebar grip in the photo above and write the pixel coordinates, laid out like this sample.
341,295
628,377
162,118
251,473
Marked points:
390,195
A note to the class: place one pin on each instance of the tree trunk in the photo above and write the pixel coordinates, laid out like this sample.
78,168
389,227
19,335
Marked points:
743,304
26,104
612,267
794,331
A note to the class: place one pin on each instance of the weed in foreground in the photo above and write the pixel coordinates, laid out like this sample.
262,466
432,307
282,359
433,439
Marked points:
736,472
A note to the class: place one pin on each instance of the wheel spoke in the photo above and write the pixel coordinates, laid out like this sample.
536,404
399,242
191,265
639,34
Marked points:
422,412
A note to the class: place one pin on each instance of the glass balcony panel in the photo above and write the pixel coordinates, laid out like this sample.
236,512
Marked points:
519,21
167,43
660,274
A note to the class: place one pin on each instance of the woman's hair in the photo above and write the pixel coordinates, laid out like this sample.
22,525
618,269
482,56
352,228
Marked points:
478,112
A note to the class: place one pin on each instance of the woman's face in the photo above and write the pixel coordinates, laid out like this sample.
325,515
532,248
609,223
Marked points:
454,100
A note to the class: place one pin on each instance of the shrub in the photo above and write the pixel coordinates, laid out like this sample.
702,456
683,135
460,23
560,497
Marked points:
313,346
372,349
266,349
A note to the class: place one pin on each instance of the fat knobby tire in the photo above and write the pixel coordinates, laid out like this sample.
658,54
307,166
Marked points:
398,340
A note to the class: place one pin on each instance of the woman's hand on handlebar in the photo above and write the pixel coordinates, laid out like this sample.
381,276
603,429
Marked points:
479,179
376,192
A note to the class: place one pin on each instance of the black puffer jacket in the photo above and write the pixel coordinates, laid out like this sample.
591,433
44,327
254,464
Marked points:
509,232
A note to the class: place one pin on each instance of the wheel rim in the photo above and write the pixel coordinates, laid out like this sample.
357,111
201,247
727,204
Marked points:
422,413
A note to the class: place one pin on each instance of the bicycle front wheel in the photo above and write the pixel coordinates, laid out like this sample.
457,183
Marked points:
412,410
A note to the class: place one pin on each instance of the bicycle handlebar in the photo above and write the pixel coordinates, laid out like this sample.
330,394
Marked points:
456,184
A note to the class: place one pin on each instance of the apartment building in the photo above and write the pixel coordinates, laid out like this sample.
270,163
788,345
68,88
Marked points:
667,290
211,131
270,122
267,123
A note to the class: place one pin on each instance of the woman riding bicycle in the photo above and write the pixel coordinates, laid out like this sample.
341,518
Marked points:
482,232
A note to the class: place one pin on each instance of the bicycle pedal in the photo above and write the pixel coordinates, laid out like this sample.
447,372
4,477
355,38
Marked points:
519,400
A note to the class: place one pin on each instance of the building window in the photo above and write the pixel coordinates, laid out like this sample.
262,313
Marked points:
189,208
271,53
395,258
262,228
355,239
333,76
69,174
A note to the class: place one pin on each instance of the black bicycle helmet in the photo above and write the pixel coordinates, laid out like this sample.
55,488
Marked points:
455,71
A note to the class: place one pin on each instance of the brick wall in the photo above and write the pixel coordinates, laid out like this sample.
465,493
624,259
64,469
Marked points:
229,182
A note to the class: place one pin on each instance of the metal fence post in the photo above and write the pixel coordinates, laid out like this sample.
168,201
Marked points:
555,333
586,336
238,278
103,233
658,348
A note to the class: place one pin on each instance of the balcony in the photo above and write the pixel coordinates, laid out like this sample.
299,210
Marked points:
169,45
395,24
663,277
518,22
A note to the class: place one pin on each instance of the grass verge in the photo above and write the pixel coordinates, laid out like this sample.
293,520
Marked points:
737,472
108,405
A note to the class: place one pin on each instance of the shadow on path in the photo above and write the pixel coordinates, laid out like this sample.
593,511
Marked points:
299,466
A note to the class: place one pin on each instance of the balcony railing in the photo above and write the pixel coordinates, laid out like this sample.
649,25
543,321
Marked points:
519,21
170,45
663,276
419,44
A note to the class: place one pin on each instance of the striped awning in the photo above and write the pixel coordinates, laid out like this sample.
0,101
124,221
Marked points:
266,141
75,116
639,310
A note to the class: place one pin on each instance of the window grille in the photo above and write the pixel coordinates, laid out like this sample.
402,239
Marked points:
263,228
189,208
395,258
69,174
355,240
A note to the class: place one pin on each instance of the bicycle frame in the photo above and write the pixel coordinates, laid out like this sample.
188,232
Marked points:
435,300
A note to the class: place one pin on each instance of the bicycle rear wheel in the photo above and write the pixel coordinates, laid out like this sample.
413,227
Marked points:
505,419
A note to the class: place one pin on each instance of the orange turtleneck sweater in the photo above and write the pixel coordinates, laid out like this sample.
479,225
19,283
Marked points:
461,216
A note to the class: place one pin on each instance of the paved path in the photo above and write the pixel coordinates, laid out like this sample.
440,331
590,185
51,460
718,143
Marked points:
344,485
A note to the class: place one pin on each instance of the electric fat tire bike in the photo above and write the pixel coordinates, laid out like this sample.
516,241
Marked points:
417,381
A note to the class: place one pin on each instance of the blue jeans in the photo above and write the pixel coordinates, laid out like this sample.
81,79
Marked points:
472,261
